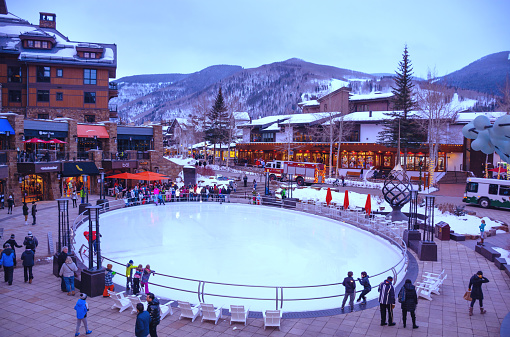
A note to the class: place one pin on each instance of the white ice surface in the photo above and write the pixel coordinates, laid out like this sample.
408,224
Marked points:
242,244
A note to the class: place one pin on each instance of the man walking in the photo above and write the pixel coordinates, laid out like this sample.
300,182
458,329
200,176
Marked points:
34,211
30,242
387,301
350,289
153,309
28,263
142,321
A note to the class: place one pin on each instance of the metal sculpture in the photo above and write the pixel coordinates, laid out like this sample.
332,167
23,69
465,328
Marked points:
397,192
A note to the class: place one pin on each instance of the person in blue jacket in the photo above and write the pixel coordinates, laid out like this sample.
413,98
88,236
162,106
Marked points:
7,260
365,282
143,320
82,308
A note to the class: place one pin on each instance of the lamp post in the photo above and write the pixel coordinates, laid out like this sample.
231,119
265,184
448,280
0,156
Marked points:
64,234
86,188
94,218
420,165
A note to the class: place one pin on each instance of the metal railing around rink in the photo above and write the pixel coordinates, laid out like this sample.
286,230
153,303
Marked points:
355,217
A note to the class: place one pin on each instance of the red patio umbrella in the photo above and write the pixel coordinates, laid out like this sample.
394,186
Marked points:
328,196
125,175
346,200
35,141
149,176
368,205
56,141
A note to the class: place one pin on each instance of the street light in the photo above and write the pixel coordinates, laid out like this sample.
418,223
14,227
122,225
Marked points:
421,165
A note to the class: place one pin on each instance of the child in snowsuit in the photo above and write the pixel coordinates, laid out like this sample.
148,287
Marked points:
108,280
136,279
145,277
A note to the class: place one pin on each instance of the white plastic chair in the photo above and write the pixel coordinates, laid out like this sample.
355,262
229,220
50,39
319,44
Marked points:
119,300
432,276
238,314
188,311
211,314
134,301
166,309
272,318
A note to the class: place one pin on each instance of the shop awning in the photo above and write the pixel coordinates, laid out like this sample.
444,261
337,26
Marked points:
5,127
76,169
91,131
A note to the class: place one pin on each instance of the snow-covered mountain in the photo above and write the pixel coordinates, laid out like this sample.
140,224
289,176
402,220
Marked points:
271,89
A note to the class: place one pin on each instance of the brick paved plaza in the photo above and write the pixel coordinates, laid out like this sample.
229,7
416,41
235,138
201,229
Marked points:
41,309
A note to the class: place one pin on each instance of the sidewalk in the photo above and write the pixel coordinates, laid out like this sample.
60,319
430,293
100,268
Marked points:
41,309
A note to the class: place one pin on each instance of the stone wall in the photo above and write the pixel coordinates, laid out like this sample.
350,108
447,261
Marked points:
74,113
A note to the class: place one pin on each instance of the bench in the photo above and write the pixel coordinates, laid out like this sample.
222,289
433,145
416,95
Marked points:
500,262
488,252
353,174
457,237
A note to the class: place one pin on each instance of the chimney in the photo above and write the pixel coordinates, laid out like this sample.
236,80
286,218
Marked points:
47,20
3,7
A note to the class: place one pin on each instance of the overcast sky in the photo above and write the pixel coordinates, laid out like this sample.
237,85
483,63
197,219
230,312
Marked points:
172,36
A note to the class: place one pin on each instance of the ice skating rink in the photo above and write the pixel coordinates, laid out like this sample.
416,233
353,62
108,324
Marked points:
242,244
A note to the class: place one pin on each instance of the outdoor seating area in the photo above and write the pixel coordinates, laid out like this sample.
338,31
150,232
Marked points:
430,284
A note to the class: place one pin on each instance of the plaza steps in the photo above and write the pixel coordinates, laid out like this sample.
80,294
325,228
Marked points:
454,177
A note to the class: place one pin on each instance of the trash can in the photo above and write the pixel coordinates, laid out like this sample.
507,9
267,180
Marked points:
442,231
82,207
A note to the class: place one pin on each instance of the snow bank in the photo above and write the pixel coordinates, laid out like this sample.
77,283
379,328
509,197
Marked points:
504,253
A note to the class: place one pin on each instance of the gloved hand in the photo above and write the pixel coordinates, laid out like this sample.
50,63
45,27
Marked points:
114,272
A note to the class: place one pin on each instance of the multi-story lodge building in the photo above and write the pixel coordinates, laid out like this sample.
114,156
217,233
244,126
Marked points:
306,137
57,90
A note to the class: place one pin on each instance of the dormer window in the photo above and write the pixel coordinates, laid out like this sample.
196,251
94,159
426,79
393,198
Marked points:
37,44
30,43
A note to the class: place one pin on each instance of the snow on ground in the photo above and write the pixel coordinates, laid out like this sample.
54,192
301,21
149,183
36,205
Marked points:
231,170
467,224
374,185
504,253
181,161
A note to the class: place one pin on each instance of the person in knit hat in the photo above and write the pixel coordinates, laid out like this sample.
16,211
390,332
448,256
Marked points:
82,307
108,280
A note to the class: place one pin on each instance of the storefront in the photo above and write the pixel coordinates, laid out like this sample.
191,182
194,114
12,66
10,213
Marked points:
134,138
5,131
38,181
76,175
46,130
90,137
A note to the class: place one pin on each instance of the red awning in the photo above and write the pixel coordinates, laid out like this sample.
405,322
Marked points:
89,131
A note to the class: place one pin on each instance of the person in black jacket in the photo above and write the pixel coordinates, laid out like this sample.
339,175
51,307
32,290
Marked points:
365,282
10,204
350,290
28,263
61,259
34,211
153,309
25,212
30,242
408,300
387,300
475,283
12,242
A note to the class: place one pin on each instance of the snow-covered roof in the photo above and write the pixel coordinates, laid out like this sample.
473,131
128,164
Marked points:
63,51
272,127
372,95
466,117
312,102
241,116
289,119
210,146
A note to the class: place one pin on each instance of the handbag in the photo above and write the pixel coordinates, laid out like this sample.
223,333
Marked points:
467,296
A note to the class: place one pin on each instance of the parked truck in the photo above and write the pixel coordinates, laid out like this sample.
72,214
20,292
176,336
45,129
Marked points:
300,172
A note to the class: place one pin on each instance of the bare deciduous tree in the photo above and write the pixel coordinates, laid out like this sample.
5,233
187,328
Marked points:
437,113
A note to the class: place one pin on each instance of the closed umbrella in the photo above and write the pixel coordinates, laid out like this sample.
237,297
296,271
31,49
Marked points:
368,205
346,200
329,197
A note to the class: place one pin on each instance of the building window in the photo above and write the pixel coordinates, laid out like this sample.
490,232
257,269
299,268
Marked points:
89,97
43,74
60,72
60,96
30,43
90,118
45,44
43,95
89,76
92,55
43,116
86,55
14,74
15,96
37,44
268,137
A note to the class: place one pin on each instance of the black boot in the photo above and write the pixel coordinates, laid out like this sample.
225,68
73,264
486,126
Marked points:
404,320
414,323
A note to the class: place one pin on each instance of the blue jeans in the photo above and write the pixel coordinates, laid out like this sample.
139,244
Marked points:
69,283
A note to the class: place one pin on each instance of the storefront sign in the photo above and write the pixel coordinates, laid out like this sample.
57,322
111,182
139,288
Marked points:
75,169
120,164
34,168
39,168
144,163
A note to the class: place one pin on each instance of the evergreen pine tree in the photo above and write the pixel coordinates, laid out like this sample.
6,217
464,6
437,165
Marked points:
403,104
217,124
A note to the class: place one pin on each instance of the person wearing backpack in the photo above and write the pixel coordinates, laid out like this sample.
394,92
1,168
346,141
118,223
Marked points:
408,300
30,242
